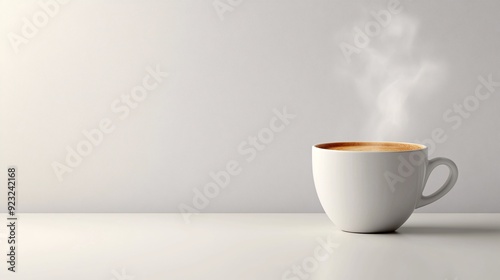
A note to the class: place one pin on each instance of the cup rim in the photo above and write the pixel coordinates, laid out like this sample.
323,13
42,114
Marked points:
325,146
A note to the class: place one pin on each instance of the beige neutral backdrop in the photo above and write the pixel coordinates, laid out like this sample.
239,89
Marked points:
251,86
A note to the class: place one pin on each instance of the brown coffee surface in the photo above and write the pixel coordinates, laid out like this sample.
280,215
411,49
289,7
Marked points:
371,146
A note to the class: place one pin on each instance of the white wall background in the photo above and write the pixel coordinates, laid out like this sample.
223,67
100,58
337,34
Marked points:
226,75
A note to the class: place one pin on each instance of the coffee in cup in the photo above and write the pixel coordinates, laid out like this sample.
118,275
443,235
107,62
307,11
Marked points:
370,187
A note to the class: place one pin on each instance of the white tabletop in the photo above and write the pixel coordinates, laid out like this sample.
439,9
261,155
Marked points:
250,246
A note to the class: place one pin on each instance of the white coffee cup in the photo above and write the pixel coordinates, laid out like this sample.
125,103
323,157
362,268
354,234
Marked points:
370,187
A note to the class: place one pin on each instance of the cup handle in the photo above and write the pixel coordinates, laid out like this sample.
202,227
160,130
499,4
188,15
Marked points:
450,182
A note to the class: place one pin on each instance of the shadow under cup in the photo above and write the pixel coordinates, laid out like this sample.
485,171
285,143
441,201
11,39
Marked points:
370,187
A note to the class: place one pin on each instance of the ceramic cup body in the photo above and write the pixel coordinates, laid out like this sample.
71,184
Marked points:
374,191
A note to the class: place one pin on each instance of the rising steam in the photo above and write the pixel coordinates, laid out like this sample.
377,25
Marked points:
387,72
